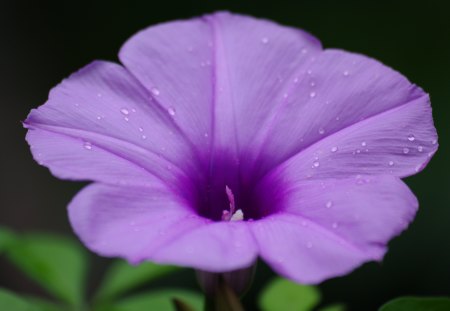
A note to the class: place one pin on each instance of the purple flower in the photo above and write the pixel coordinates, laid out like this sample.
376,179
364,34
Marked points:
224,138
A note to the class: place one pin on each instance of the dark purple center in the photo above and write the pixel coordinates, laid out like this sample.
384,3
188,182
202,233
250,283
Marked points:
227,190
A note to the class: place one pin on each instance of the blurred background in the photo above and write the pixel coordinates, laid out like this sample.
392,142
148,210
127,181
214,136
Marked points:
42,42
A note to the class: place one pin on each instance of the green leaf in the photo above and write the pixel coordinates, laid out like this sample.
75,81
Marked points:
45,305
336,307
160,300
180,305
122,277
58,264
6,238
417,304
285,295
12,302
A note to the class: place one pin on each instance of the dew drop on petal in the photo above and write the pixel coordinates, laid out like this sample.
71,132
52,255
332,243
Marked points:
296,80
141,129
171,111
391,163
329,204
312,83
405,150
335,225
363,144
87,145
155,91
124,111
419,148
144,137
411,137
321,131
434,142
99,117
126,119
334,149
316,164
346,73
264,40
312,94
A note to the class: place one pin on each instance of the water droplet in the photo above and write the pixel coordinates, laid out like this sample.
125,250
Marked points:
312,83
141,129
329,204
155,91
309,72
335,225
124,111
419,148
309,245
346,73
264,40
144,137
338,118
363,144
312,94
321,131
434,142
358,151
99,117
133,110
126,119
405,150
316,164
87,145
411,137
296,80
391,163
99,95
334,149
171,111
206,135
285,95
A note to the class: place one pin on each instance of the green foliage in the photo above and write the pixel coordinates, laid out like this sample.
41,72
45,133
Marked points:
6,238
57,264
285,295
160,300
122,277
337,307
44,305
417,304
12,302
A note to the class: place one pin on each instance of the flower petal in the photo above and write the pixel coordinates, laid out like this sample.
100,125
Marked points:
346,102
327,228
153,224
221,73
399,141
100,123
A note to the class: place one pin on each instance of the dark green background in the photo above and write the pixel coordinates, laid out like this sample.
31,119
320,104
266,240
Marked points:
43,42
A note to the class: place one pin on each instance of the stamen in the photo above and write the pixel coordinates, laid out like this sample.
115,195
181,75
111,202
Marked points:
239,215
231,215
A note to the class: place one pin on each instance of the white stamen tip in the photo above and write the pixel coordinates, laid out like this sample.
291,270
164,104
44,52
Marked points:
239,215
